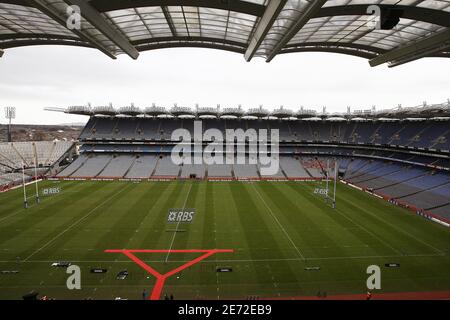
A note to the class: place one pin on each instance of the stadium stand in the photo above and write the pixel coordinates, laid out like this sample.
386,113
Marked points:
93,166
15,155
74,166
428,199
220,171
245,171
313,167
278,175
292,167
193,170
10,157
420,181
166,168
118,166
443,211
8,178
142,167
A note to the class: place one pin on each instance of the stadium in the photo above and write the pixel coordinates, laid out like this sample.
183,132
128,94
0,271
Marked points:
350,191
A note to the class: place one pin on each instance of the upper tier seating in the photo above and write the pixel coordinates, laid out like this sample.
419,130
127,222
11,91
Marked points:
431,134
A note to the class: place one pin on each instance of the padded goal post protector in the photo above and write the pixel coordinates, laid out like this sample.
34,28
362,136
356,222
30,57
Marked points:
161,278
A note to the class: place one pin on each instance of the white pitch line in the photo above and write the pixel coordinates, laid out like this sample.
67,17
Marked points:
244,260
368,231
15,213
178,223
279,224
21,210
395,227
404,232
227,285
75,223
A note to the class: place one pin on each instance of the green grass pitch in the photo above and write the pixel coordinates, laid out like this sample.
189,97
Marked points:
276,230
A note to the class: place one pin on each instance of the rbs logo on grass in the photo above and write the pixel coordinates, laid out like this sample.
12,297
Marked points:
51,191
180,215
320,191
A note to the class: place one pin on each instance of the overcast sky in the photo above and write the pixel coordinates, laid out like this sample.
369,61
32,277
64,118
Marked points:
33,78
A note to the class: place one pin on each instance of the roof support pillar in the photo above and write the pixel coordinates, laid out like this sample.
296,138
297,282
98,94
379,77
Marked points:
169,21
62,19
300,21
415,50
91,14
265,23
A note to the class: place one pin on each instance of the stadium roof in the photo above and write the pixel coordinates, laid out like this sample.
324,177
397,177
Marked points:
424,111
406,29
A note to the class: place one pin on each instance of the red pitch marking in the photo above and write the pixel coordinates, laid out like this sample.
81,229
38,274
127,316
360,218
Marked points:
161,278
